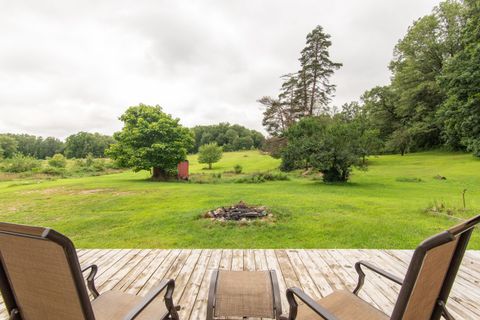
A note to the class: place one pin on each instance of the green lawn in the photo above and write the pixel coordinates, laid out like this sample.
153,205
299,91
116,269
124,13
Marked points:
383,207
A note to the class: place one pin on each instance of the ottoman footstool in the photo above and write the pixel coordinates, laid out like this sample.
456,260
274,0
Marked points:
244,294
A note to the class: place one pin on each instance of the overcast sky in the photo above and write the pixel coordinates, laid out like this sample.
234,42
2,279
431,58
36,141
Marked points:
67,66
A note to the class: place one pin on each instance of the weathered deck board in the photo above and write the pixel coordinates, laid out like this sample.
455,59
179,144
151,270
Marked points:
317,272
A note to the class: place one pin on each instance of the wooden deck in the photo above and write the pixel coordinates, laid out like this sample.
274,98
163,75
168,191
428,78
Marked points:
318,272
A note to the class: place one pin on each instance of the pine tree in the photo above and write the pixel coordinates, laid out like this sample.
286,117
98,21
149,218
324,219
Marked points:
289,99
276,116
303,93
316,69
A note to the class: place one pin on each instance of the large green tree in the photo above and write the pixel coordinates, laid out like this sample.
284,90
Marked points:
209,153
418,62
229,137
48,147
8,146
151,140
379,106
367,137
37,147
81,144
461,81
324,143
28,144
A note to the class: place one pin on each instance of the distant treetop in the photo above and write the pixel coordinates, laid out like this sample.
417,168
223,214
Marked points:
230,137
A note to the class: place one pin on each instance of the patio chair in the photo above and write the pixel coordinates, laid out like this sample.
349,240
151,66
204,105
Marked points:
423,294
41,278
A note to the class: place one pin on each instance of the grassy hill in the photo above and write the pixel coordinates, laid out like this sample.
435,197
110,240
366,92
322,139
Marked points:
251,161
387,206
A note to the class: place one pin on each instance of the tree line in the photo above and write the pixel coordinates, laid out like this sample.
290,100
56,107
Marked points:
432,100
78,145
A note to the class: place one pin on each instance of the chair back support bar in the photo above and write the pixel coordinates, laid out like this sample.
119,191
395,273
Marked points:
40,275
431,274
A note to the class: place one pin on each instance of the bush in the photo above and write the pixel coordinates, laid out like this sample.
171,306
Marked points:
217,175
89,160
238,169
57,161
90,165
79,163
20,163
260,177
202,178
98,164
54,171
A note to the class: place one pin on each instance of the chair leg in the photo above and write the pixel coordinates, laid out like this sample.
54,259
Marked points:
14,314
445,313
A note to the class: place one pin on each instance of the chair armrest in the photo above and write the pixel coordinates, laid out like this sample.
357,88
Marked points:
91,279
312,304
361,274
172,309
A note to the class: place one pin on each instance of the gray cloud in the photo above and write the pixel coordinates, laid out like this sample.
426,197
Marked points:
68,65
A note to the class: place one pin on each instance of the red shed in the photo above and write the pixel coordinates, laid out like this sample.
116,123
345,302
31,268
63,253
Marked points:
182,169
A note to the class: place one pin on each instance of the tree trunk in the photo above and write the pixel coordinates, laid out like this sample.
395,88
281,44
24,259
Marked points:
210,166
314,87
159,174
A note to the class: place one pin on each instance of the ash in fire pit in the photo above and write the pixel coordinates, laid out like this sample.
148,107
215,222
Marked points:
239,212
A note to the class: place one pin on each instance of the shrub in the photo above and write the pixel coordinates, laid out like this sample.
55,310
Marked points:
260,177
57,161
80,163
90,165
89,160
202,178
217,175
238,169
98,164
54,171
20,163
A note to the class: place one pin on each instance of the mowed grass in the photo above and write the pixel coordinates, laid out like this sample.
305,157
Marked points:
383,207
251,161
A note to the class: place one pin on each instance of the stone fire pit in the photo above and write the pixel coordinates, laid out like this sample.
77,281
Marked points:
239,212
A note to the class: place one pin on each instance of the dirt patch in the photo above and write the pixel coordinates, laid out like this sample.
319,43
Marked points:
90,191
106,190
64,191
48,191
12,209
123,193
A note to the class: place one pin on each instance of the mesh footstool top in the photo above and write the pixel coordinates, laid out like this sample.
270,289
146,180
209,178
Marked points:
243,294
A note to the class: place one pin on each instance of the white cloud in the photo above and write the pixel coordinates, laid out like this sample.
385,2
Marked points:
68,65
